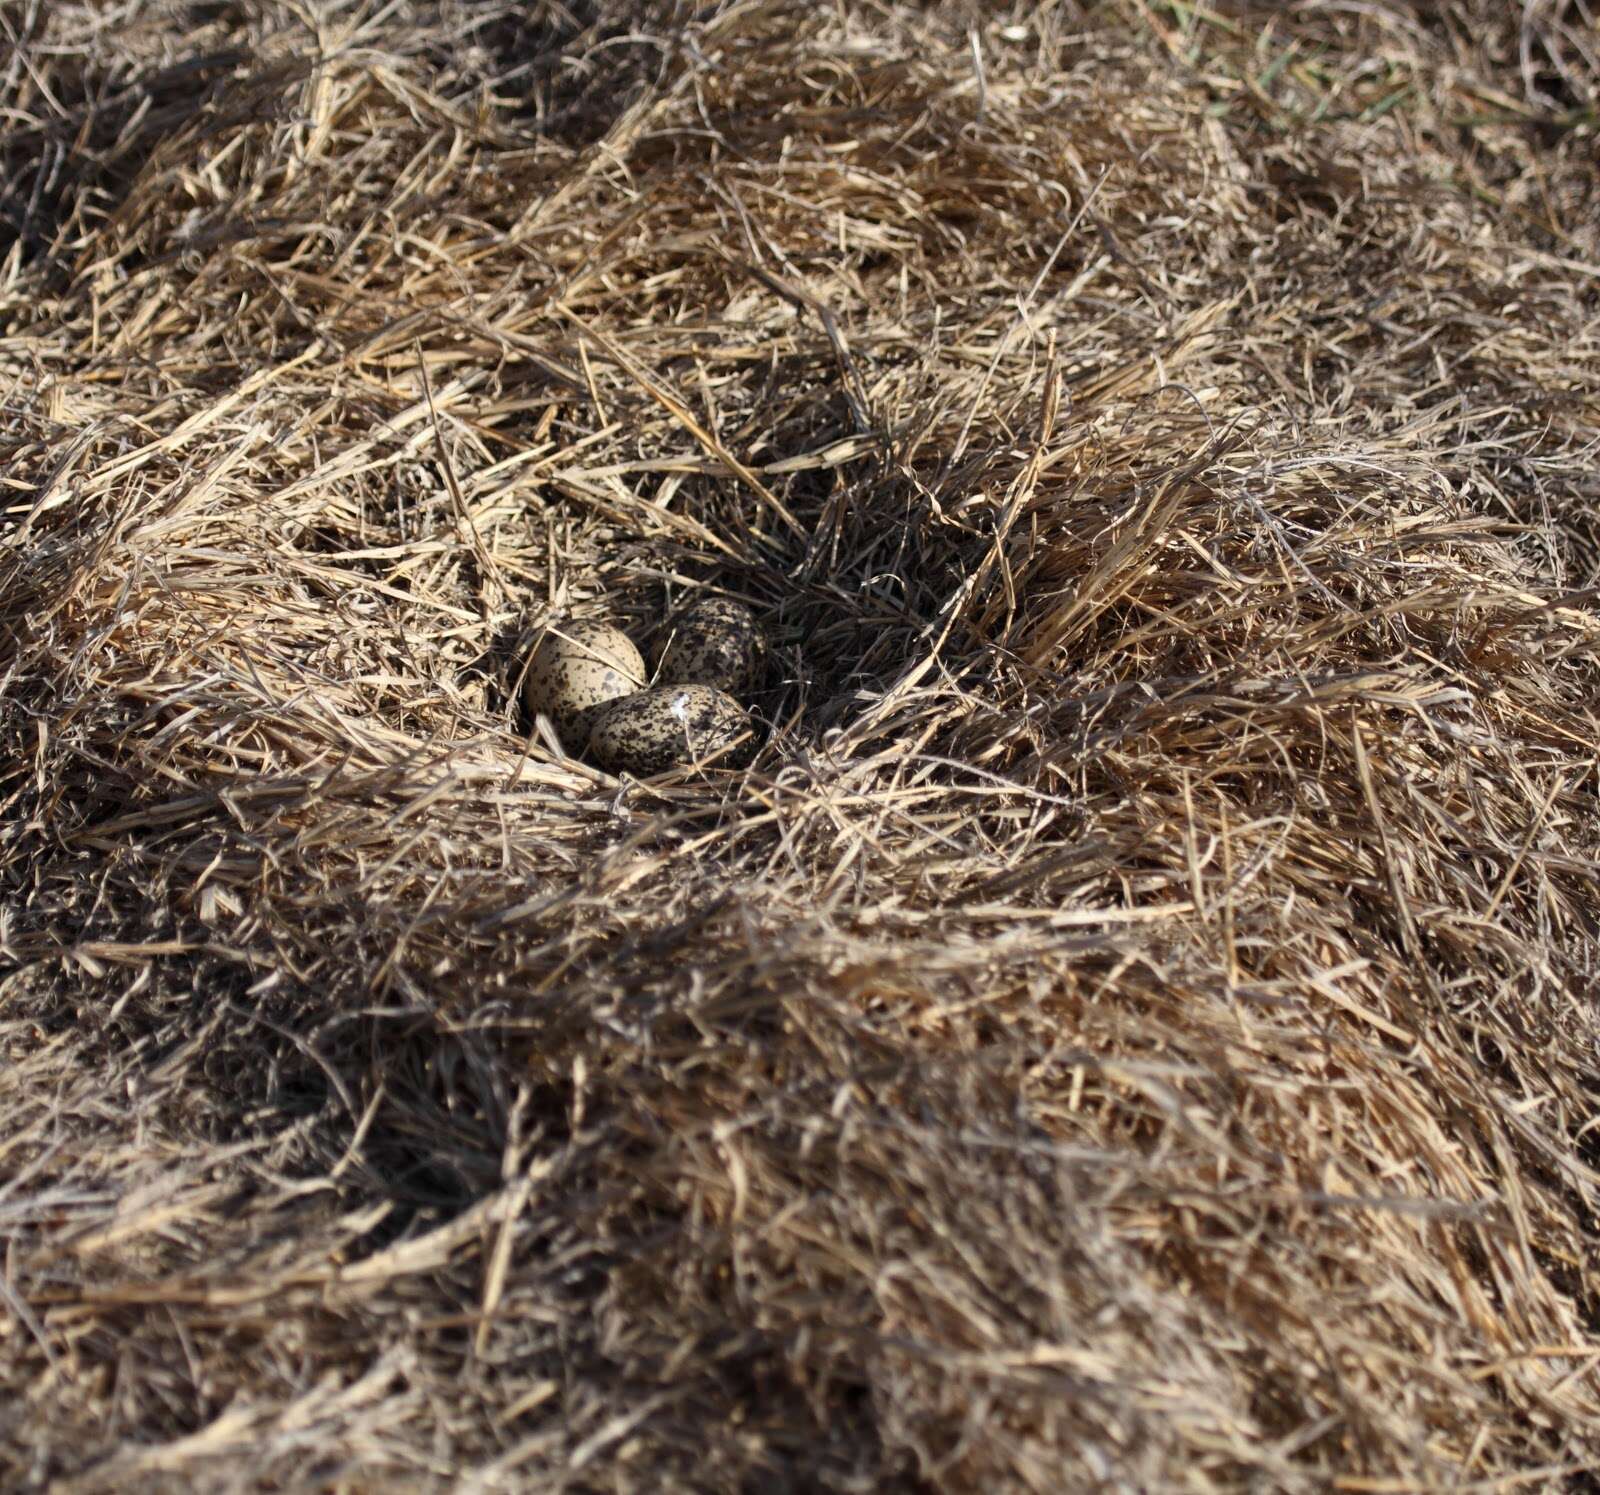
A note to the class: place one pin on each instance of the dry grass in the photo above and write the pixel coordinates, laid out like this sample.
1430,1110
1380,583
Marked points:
1134,1027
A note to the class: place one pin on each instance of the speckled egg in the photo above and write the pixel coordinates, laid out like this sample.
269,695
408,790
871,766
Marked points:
577,668
668,727
714,641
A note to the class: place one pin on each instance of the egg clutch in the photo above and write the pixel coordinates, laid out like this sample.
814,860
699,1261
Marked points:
590,680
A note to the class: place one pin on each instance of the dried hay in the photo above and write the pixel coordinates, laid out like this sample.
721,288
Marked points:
1135,1025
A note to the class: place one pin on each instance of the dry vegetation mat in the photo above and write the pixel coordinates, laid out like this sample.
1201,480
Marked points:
1133,1025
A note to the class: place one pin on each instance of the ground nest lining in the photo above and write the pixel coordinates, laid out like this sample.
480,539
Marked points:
1133,1023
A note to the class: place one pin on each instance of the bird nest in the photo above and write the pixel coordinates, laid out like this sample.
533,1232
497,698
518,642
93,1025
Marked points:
1132,1025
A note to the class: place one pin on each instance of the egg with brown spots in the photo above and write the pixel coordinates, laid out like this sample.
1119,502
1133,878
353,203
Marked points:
577,668
669,727
714,641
